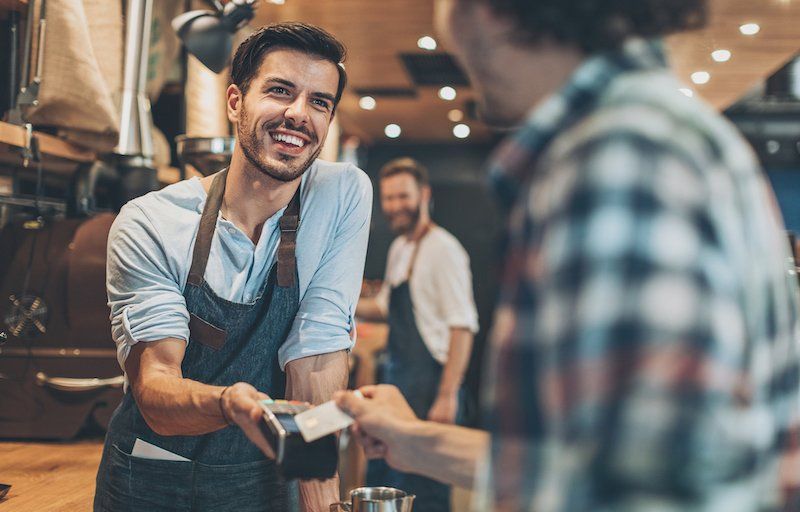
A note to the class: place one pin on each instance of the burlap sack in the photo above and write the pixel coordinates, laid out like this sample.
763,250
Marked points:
82,71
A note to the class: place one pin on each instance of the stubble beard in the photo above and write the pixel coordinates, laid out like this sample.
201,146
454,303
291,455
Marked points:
249,142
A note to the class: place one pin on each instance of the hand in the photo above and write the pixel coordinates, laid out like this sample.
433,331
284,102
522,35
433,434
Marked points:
382,418
240,405
444,409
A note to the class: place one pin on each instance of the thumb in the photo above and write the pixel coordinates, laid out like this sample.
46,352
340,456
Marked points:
351,403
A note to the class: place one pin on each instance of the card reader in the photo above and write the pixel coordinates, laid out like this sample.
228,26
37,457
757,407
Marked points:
296,458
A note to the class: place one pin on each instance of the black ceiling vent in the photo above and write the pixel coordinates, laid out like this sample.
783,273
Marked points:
386,92
433,69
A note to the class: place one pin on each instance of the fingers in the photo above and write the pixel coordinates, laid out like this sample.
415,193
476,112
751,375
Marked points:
350,403
373,448
253,433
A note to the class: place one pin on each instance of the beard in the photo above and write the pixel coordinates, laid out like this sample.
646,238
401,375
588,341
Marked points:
284,168
402,227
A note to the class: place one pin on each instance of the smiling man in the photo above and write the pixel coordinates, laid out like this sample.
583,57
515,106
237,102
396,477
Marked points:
238,286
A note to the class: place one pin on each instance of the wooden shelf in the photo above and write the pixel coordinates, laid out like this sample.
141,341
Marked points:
14,135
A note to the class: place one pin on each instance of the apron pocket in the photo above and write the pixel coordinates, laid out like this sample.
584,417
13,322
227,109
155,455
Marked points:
205,333
161,484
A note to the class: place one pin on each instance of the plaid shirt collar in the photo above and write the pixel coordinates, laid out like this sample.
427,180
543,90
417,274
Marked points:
513,161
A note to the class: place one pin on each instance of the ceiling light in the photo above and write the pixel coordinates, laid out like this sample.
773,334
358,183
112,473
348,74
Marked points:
461,131
455,115
447,93
277,2
392,131
367,103
427,43
701,77
750,29
688,92
721,55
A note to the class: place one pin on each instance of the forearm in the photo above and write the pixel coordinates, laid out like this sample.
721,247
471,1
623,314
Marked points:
457,361
447,453
170,404
315,379
368,310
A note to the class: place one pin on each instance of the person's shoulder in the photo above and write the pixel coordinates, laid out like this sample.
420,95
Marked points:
184,196
444,242
340,176
171,211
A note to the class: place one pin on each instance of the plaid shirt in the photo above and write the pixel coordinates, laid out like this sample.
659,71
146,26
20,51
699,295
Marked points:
644,352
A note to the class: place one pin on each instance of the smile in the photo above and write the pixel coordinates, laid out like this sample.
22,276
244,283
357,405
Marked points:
288,139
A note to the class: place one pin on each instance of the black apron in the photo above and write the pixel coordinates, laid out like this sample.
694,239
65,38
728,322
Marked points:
417,374
229,342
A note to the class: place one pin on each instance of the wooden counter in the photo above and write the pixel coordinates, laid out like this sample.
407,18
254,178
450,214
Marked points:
49,476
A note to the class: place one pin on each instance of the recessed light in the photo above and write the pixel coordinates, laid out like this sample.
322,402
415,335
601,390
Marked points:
367,103
427,43
447,93
461,131
750,29
688,92
392,131
455,115
721,55
701,77
277,2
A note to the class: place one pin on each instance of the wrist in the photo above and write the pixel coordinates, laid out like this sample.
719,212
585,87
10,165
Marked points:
221,402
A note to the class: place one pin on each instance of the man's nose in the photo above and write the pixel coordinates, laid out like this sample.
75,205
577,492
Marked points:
297,112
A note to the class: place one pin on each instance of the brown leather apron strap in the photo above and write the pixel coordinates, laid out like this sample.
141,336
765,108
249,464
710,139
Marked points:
287,259
208,224
289,223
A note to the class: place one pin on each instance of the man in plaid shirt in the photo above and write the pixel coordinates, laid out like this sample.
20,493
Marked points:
644,351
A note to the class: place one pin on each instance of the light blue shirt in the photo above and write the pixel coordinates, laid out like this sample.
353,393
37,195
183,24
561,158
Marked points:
150,251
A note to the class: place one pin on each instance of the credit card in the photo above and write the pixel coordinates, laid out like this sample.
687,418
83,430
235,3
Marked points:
322,420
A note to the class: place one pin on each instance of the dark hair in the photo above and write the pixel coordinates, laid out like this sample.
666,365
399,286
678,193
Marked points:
595,26
408,166
292,35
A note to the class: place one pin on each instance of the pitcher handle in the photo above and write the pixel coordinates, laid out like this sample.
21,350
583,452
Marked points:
346,506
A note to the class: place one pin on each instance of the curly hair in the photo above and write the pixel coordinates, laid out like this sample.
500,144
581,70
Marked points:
599,25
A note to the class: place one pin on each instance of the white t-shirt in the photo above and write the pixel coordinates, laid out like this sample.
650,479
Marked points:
441,287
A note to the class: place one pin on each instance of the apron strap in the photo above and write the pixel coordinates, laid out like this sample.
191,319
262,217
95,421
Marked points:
208,224
289,223
416,249
287,259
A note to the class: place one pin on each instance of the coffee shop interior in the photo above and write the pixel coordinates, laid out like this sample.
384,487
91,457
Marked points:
104,101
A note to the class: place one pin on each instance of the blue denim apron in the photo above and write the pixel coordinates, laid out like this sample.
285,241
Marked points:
229,342
413,369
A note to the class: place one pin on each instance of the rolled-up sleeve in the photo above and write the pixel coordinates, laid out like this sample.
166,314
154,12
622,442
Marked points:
325,318
453,278
144,296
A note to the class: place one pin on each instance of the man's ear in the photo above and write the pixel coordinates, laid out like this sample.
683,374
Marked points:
234,102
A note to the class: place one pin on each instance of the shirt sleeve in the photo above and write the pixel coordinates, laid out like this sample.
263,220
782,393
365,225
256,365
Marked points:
146,301
452,279
326,315
622,337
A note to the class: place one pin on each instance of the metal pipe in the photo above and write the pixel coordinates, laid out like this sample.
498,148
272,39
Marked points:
135,138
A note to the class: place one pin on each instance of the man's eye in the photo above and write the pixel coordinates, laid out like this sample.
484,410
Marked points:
322,103
278,90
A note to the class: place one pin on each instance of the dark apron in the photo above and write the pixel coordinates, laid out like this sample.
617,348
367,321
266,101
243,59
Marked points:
413,369
229,342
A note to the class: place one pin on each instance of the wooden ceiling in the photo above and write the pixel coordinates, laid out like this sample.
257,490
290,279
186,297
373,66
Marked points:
377,31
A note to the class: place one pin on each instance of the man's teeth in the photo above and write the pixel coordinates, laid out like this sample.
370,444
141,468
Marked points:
289,139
